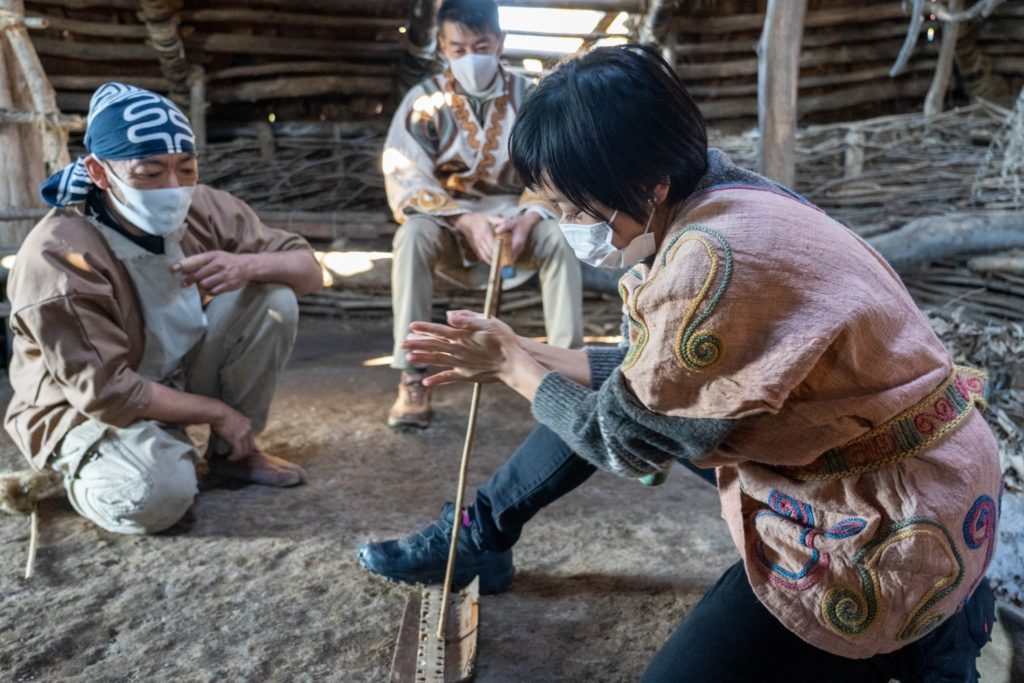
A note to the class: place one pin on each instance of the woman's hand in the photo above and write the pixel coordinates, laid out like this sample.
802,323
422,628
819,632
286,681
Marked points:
474,349
470,347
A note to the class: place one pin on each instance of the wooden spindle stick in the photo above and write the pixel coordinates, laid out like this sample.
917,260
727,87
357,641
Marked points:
490,309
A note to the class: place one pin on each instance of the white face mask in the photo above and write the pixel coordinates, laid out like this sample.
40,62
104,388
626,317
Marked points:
157,212
593,244
476,73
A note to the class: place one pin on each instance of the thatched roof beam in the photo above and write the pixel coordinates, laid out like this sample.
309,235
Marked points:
286,68
93,52
22,215
14,19
94,28
398,8
868,52
385,8
75,124
598,5
826,80
154,83
306,47
88,4
825,17
833,36
249,16
594,36
301,86
602,27
837,100
161,18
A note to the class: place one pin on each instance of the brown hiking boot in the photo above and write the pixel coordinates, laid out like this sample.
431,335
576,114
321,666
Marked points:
412,407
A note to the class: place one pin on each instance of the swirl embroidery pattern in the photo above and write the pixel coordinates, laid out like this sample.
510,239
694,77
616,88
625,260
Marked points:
638,330
802,515
980,530
851,613
694,348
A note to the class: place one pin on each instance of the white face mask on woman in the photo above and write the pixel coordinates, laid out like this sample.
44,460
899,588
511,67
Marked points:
157,212
592,243
476,73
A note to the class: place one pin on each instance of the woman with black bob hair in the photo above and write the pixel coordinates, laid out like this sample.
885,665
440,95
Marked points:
599,133
770,350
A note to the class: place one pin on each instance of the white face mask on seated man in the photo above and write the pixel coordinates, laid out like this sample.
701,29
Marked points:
158,211
477,74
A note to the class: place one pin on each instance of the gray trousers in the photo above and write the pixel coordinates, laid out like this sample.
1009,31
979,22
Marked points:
141,479
421,245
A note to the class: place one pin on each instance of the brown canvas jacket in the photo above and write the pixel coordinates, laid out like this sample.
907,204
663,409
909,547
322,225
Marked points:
79,332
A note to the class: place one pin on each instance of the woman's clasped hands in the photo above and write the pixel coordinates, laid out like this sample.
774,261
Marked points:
470,348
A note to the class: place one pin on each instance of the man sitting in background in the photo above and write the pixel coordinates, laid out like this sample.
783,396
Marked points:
451,186
143,303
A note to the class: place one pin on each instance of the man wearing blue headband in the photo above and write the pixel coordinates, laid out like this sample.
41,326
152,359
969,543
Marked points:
143,303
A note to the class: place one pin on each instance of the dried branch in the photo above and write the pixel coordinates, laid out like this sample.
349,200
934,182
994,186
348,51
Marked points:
916,19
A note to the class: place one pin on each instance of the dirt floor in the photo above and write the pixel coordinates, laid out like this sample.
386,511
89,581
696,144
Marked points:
264,585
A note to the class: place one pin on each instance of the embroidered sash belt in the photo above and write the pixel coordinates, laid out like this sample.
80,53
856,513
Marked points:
905,435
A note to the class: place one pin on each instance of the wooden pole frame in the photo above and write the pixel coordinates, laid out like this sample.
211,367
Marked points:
934,100
778,74
44,99
161,18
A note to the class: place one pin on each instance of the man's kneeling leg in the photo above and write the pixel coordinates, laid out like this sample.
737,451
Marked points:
137,480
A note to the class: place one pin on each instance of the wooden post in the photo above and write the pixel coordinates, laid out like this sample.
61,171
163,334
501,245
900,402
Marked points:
161,18
265,135
30,152
197,104
656,13
669,50
853,157
419,59
44,100
777,76
944,69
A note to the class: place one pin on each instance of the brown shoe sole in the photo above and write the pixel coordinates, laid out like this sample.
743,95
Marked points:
407,422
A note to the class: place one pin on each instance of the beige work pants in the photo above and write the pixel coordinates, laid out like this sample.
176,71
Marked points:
141,479
421,245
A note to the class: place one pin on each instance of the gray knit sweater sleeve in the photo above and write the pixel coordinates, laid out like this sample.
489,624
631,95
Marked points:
603,360
613,430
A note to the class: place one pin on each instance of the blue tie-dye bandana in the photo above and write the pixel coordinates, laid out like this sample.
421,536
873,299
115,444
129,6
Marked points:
124,122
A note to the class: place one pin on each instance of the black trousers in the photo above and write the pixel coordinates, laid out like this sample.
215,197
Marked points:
729,636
